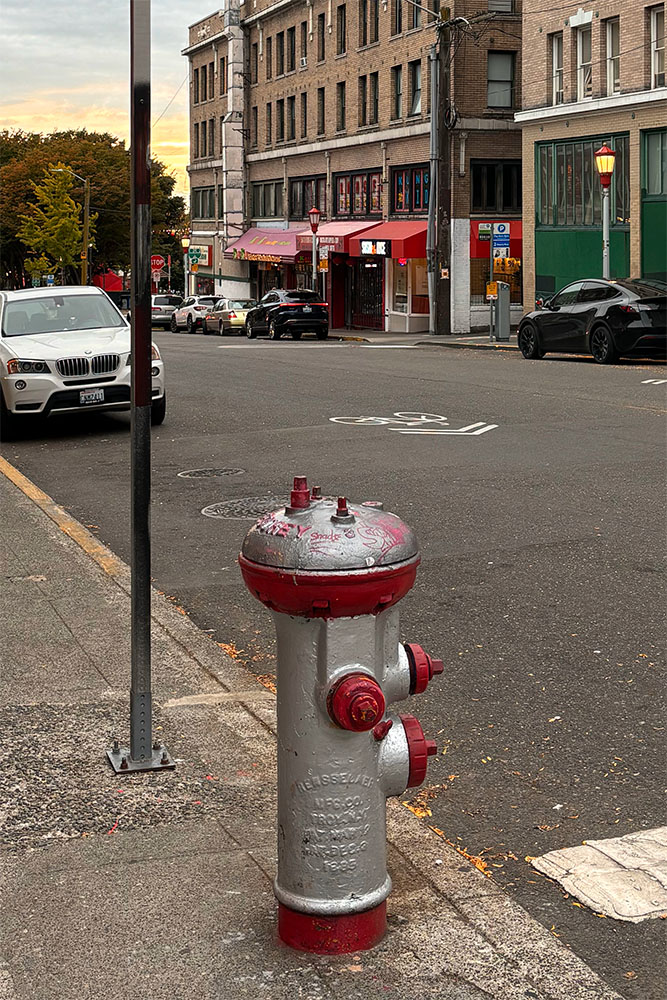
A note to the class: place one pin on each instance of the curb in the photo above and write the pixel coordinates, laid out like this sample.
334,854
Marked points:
512,348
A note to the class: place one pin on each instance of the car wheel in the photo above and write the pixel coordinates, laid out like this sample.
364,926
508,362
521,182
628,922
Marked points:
173,325
8,422
159,410
250,330
603,348
188,324
529,345
296,334
274,332
322,334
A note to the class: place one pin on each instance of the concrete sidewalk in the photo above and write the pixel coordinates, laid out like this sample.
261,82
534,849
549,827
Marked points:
159,885
474,341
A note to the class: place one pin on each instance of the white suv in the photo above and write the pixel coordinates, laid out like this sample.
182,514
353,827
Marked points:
63,350
191,313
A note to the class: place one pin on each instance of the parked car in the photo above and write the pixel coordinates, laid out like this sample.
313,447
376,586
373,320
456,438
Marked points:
294,311
228,316
191,314
162,306
608,319
63,350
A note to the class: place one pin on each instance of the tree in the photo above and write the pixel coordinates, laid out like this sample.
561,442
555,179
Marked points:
51,228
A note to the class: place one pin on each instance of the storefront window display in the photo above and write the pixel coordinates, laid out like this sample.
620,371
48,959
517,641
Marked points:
410,190
358,194
400,285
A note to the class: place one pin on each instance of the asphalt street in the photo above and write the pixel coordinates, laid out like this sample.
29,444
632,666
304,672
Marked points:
541,586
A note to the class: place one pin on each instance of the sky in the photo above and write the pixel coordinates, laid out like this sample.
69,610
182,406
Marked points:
65,65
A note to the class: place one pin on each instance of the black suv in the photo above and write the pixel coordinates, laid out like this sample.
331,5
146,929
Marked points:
294,311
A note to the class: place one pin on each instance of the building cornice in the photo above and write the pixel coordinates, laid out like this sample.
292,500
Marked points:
362,139
205,42
267,12
616,101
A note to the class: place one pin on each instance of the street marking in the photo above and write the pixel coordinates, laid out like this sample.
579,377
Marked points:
411,422
623,877
390,347
654,381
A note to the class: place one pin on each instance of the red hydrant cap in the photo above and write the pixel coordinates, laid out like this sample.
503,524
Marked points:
300,494
419,750
356,703
422,667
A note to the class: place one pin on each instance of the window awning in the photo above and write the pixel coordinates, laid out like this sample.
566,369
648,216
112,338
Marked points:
402,238
274,245
335,235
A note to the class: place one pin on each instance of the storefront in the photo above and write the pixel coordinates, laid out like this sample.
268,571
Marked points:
397,251
272,258
202,281
354,288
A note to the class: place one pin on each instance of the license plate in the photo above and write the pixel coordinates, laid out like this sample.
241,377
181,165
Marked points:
88,396
307,309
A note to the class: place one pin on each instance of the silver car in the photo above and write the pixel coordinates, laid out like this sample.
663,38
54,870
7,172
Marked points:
228,316
162,306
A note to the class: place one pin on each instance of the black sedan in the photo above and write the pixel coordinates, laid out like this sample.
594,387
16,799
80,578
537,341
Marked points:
294,311
608,319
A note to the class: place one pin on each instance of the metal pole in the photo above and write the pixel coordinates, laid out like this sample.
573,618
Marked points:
433,195
605,232
444,177
143,756
314,262
86,223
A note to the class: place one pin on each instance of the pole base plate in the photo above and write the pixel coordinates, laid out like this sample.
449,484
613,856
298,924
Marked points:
122,762
339,934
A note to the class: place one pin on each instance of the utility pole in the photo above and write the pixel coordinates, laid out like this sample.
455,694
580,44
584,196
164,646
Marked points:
431,237
86,227
444,187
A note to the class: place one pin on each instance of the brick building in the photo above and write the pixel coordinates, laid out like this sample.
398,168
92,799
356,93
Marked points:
592,76
329,105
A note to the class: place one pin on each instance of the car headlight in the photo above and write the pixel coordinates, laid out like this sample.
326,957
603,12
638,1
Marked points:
155,354
18,367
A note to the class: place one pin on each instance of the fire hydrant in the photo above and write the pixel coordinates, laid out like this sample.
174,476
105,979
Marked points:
332,574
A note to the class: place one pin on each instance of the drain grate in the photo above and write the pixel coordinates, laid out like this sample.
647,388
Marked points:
209,473
245,507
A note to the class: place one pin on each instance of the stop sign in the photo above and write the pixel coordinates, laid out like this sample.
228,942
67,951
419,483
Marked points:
157,262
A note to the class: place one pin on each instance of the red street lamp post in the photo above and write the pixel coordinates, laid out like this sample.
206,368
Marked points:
314,218
604,162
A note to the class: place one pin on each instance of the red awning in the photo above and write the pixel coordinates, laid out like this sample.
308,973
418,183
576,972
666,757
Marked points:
275,245
335,235
406,238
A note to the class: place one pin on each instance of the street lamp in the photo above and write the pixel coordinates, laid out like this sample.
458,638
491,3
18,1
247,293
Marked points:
185,243
314,217
86,217
604,162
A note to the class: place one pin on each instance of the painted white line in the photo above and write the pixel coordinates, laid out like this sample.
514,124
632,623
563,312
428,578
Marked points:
654,381
391,347
468,431
623,877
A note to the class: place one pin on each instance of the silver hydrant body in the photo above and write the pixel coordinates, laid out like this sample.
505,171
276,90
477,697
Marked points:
332,573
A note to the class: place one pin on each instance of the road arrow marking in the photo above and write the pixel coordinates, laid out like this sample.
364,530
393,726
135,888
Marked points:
472,430
654,381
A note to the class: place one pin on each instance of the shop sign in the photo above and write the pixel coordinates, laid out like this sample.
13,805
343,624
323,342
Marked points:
381,248
334,243
246,255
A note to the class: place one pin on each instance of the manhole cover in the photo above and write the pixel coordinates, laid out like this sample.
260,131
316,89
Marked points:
209,473
245,507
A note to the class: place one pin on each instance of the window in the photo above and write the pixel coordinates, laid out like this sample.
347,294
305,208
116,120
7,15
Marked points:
203,148
254,63
613,56
211,136
253,127
269,124
495,186
340,107
500,77
414,16
341,31
280,53
396,17
321,36
195,141
557,68
374,25
202,82
584,64
304,42
655,163
267,200
195,88
396,91
363,22
363,100
415,80
658,47
291,118
223,76
320,110
358,194
222,136
203,203
410,189
502,6
268,57
291,50
374,103
569,188
304,115
211,81
306,193
280,126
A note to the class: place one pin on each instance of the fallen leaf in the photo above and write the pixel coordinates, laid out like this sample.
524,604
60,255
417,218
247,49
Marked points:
630,975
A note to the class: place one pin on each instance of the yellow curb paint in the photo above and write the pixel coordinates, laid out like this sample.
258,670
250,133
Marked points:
103,556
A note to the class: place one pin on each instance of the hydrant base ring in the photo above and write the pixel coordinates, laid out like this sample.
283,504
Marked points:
332,935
